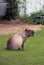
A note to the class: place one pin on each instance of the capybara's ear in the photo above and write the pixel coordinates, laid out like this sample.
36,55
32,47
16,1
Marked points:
25,29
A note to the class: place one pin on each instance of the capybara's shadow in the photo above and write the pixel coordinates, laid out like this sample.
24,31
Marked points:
13,50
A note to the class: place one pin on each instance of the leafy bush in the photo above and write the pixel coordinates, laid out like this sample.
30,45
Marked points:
42,21
12,10
25,19
35,18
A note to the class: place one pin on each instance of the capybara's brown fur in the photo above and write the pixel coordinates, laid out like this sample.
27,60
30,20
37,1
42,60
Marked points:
17,41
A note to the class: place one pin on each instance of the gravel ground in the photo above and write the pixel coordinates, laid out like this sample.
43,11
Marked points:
14,27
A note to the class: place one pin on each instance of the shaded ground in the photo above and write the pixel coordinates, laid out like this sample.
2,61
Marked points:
10,27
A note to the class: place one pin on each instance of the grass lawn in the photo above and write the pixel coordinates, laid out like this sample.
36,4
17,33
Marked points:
33,53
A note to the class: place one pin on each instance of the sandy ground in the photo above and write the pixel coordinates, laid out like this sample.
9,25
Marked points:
14,27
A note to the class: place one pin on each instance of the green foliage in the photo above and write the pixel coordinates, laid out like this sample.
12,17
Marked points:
23,4
12,9
37,18
25,18
33,53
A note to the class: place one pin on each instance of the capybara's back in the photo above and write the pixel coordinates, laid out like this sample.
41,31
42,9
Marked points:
15,42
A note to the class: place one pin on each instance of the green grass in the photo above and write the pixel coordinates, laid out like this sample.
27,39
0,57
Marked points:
33,53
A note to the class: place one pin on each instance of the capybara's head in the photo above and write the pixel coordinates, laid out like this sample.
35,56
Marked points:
29,32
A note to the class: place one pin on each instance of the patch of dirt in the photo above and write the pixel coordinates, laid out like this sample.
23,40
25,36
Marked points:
11,27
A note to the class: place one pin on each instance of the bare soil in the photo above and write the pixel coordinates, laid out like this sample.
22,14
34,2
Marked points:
10,27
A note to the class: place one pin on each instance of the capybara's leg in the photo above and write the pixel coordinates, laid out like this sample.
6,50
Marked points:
22,46
18,48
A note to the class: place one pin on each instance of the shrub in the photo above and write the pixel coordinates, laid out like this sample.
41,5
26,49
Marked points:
25,19
35,18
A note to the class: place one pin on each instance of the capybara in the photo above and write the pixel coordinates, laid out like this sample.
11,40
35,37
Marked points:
17,41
